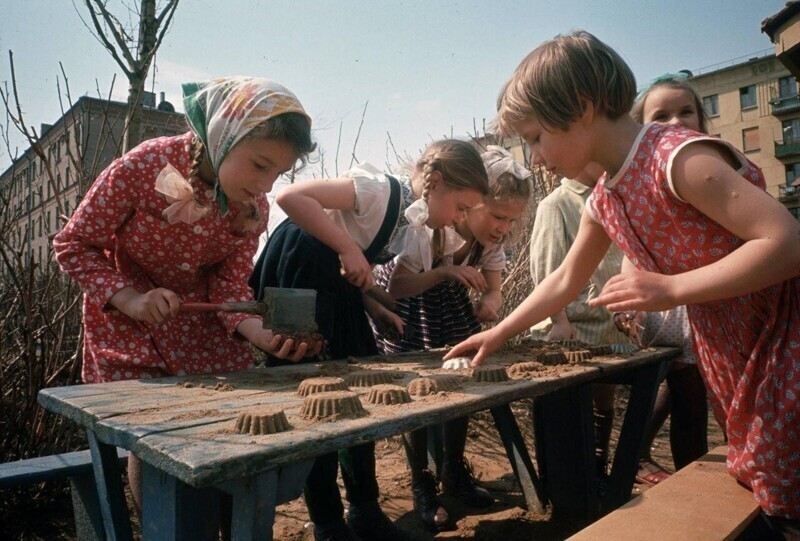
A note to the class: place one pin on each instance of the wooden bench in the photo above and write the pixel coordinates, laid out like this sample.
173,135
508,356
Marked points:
702,501
77,467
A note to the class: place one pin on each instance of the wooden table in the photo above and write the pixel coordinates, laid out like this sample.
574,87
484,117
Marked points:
183,430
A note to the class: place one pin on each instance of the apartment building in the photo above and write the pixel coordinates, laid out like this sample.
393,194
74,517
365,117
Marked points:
45,184
753,103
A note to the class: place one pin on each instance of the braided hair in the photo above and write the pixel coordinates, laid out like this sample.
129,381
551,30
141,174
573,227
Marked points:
461,168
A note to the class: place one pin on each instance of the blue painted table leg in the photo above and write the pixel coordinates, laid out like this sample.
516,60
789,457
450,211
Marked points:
111,495
255,499
174,511
518,456
564,432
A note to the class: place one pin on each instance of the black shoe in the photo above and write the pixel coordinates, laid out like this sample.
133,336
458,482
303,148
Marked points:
338,531
434,517
370,523
458,481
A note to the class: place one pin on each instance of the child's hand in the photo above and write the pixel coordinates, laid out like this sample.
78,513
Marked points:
355,269
469,276
389,324
562,330
275,344
484,312
630,324
637,290
155,306
485,343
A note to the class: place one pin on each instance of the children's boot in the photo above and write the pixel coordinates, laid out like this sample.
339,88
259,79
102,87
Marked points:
458,481
338,531
426,502
370,523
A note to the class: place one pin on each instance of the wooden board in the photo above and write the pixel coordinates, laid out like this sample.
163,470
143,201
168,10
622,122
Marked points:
700,502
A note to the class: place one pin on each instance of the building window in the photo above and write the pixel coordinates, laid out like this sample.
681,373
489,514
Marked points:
751,140
791,131
787,87
711,105
792,173
747,96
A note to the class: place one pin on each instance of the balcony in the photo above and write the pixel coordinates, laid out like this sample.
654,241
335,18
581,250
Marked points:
782,106
789,148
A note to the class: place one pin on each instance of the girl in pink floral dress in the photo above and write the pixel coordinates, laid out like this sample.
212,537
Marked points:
690,213
177,219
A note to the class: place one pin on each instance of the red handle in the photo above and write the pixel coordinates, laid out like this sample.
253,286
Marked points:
202,307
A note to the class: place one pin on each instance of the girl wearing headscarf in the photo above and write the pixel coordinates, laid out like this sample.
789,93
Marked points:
177,219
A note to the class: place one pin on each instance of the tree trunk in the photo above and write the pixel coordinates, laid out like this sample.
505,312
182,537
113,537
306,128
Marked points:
144,55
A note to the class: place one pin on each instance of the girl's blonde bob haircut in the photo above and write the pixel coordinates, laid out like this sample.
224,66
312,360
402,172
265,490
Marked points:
556,80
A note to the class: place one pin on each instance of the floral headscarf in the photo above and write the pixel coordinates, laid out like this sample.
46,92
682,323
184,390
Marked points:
222,111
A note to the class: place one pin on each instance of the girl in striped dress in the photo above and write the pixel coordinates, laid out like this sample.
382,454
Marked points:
334,232
435,306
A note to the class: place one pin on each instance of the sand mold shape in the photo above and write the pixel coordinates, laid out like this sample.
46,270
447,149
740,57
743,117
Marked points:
423,386
331,406
388,395
524,369
457,363
578,355
320,385
368,378
259,421
551,357
489,373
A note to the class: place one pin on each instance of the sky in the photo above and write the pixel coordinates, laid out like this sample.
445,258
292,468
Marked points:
403,72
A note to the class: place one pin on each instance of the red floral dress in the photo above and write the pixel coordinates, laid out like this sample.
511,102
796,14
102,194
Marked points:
118,237
748,346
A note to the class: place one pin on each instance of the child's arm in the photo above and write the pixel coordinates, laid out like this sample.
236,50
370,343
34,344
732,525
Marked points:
488,306
385,320
407,283
771,252
305,203
553,294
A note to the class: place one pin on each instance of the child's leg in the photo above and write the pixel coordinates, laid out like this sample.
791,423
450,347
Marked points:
603,399
365,516
688,433
423,482
649,471
457,478
358,473
322,493
661,410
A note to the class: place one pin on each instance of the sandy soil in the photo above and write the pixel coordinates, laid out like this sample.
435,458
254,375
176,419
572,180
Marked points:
507,519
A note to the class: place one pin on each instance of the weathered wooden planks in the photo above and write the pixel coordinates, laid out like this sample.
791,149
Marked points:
153,417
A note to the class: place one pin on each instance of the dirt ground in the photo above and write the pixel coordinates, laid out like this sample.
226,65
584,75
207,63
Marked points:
506,520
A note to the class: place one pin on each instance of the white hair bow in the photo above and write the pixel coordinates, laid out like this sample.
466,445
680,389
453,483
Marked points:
498,160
